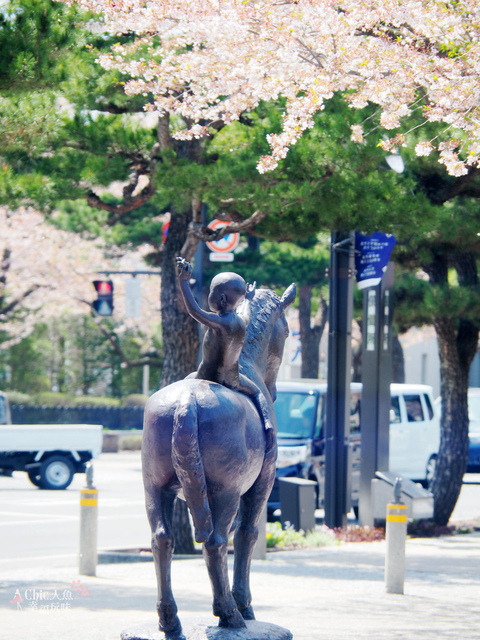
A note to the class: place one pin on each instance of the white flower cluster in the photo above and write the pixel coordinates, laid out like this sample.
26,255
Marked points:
58,267
219,58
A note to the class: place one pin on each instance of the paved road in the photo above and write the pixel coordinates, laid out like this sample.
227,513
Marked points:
36,524
42,527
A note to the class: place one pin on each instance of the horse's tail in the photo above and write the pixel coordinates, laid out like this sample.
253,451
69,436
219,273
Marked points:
188,465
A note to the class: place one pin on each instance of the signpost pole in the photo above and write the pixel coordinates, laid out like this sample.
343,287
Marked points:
376,377
375,276
337,487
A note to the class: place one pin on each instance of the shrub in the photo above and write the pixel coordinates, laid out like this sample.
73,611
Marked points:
428,529
355,533
320,537
288,538
17,397
134,400
130,443
94,401
53,399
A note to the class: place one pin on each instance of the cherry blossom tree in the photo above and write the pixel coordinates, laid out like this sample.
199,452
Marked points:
47,272
211,60
207,62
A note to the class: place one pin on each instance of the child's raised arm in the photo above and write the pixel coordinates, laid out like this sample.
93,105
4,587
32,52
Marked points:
204,317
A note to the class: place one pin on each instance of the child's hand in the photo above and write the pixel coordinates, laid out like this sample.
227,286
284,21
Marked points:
184,269
250,292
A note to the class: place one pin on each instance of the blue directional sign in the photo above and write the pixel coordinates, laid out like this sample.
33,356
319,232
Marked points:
372,254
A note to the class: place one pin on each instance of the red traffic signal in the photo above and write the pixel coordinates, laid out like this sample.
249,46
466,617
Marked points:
103,305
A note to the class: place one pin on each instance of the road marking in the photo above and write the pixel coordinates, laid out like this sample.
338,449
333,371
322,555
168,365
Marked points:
70,519
57,518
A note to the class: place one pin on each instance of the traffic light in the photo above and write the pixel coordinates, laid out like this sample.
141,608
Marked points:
103,305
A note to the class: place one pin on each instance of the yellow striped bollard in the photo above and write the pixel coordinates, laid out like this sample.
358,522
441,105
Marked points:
396,533
88,531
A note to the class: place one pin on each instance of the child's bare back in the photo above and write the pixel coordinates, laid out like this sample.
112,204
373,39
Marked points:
226,326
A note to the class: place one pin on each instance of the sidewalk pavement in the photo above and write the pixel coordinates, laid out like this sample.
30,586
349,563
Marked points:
335,593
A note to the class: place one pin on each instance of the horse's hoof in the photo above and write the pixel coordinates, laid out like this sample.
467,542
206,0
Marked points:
173,630
247,613
170,635
233,621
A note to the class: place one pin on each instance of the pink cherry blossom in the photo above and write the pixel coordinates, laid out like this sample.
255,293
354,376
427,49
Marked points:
219,58
60,266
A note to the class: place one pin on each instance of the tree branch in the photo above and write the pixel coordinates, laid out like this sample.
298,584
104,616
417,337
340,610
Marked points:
114,342
462,184
4,267
208,235
111,107
140,167
12,305
320,318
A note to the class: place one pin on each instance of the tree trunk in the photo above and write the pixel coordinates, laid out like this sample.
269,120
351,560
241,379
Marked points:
180,349
182,529
179,330
453,454
457,344
310,334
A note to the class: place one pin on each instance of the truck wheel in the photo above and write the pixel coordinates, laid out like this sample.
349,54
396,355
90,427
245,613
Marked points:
34,477
56,472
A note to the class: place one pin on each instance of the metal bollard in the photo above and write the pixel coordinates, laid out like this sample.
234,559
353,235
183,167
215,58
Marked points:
88,526
396,533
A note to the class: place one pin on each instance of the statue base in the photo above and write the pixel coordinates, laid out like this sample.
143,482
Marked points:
254,630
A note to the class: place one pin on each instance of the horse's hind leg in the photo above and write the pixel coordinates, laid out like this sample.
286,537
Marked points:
251,506
224,509
160,503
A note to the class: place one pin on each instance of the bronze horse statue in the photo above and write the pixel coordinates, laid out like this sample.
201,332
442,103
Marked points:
203,439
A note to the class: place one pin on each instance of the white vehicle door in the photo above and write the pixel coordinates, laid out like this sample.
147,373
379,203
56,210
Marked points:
413,434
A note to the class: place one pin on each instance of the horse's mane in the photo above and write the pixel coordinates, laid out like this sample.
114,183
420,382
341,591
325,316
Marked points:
266,308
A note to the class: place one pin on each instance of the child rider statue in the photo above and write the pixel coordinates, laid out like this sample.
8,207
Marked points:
225,334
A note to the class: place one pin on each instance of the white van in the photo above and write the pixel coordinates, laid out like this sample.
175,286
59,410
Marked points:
300,413
414,432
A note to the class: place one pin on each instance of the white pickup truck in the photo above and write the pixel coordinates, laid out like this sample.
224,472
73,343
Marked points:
50,453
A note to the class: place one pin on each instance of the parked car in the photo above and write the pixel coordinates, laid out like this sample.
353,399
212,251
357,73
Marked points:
300,410
473,464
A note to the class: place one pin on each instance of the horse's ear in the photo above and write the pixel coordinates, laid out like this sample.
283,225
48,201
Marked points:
289,296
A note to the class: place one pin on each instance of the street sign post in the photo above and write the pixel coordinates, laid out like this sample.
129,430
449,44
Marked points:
133,298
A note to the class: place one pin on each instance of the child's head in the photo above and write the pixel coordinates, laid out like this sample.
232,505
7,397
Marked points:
226,292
